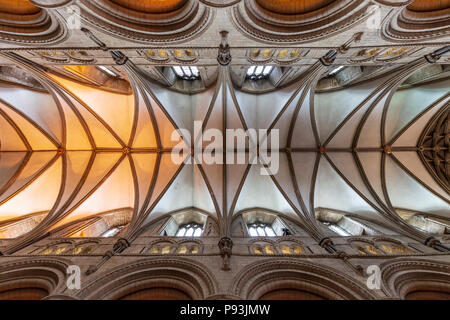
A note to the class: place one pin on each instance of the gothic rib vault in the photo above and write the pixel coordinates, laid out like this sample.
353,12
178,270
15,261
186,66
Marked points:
358,155
97,96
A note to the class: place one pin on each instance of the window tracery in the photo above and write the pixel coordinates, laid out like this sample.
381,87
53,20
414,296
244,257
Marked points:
187,72
190,230
259,229
112,232
259,72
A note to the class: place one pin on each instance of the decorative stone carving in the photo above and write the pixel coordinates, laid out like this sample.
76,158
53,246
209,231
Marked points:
328,245
225,245
224,55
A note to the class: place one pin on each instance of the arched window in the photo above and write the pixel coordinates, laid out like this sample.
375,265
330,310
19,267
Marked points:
365,248
344,225
83,249
108,71
336,70
393,248
186,72
161,248
291,248
260,229
16,228
337,228
264,224
263,248
423,222
62,248
190,230
111,232
259,72
188,248
186,223
104,225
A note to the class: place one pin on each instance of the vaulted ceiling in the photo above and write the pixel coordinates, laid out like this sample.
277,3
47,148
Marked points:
75,150
39,22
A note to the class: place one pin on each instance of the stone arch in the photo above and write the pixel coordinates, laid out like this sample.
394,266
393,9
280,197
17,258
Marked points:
419,20
141,22
32,279
269,216
190,279
27,23
262,278
416,279
296,22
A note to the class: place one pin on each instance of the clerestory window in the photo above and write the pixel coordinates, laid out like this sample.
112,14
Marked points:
186,72
190,230
259,72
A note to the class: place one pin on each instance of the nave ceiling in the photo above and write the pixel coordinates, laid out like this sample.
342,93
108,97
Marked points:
73,151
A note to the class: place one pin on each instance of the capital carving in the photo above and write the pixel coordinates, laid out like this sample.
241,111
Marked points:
120,245
435,244
92,269
328,59
224,55
119,57
436,55
328,245
225,245
355,38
